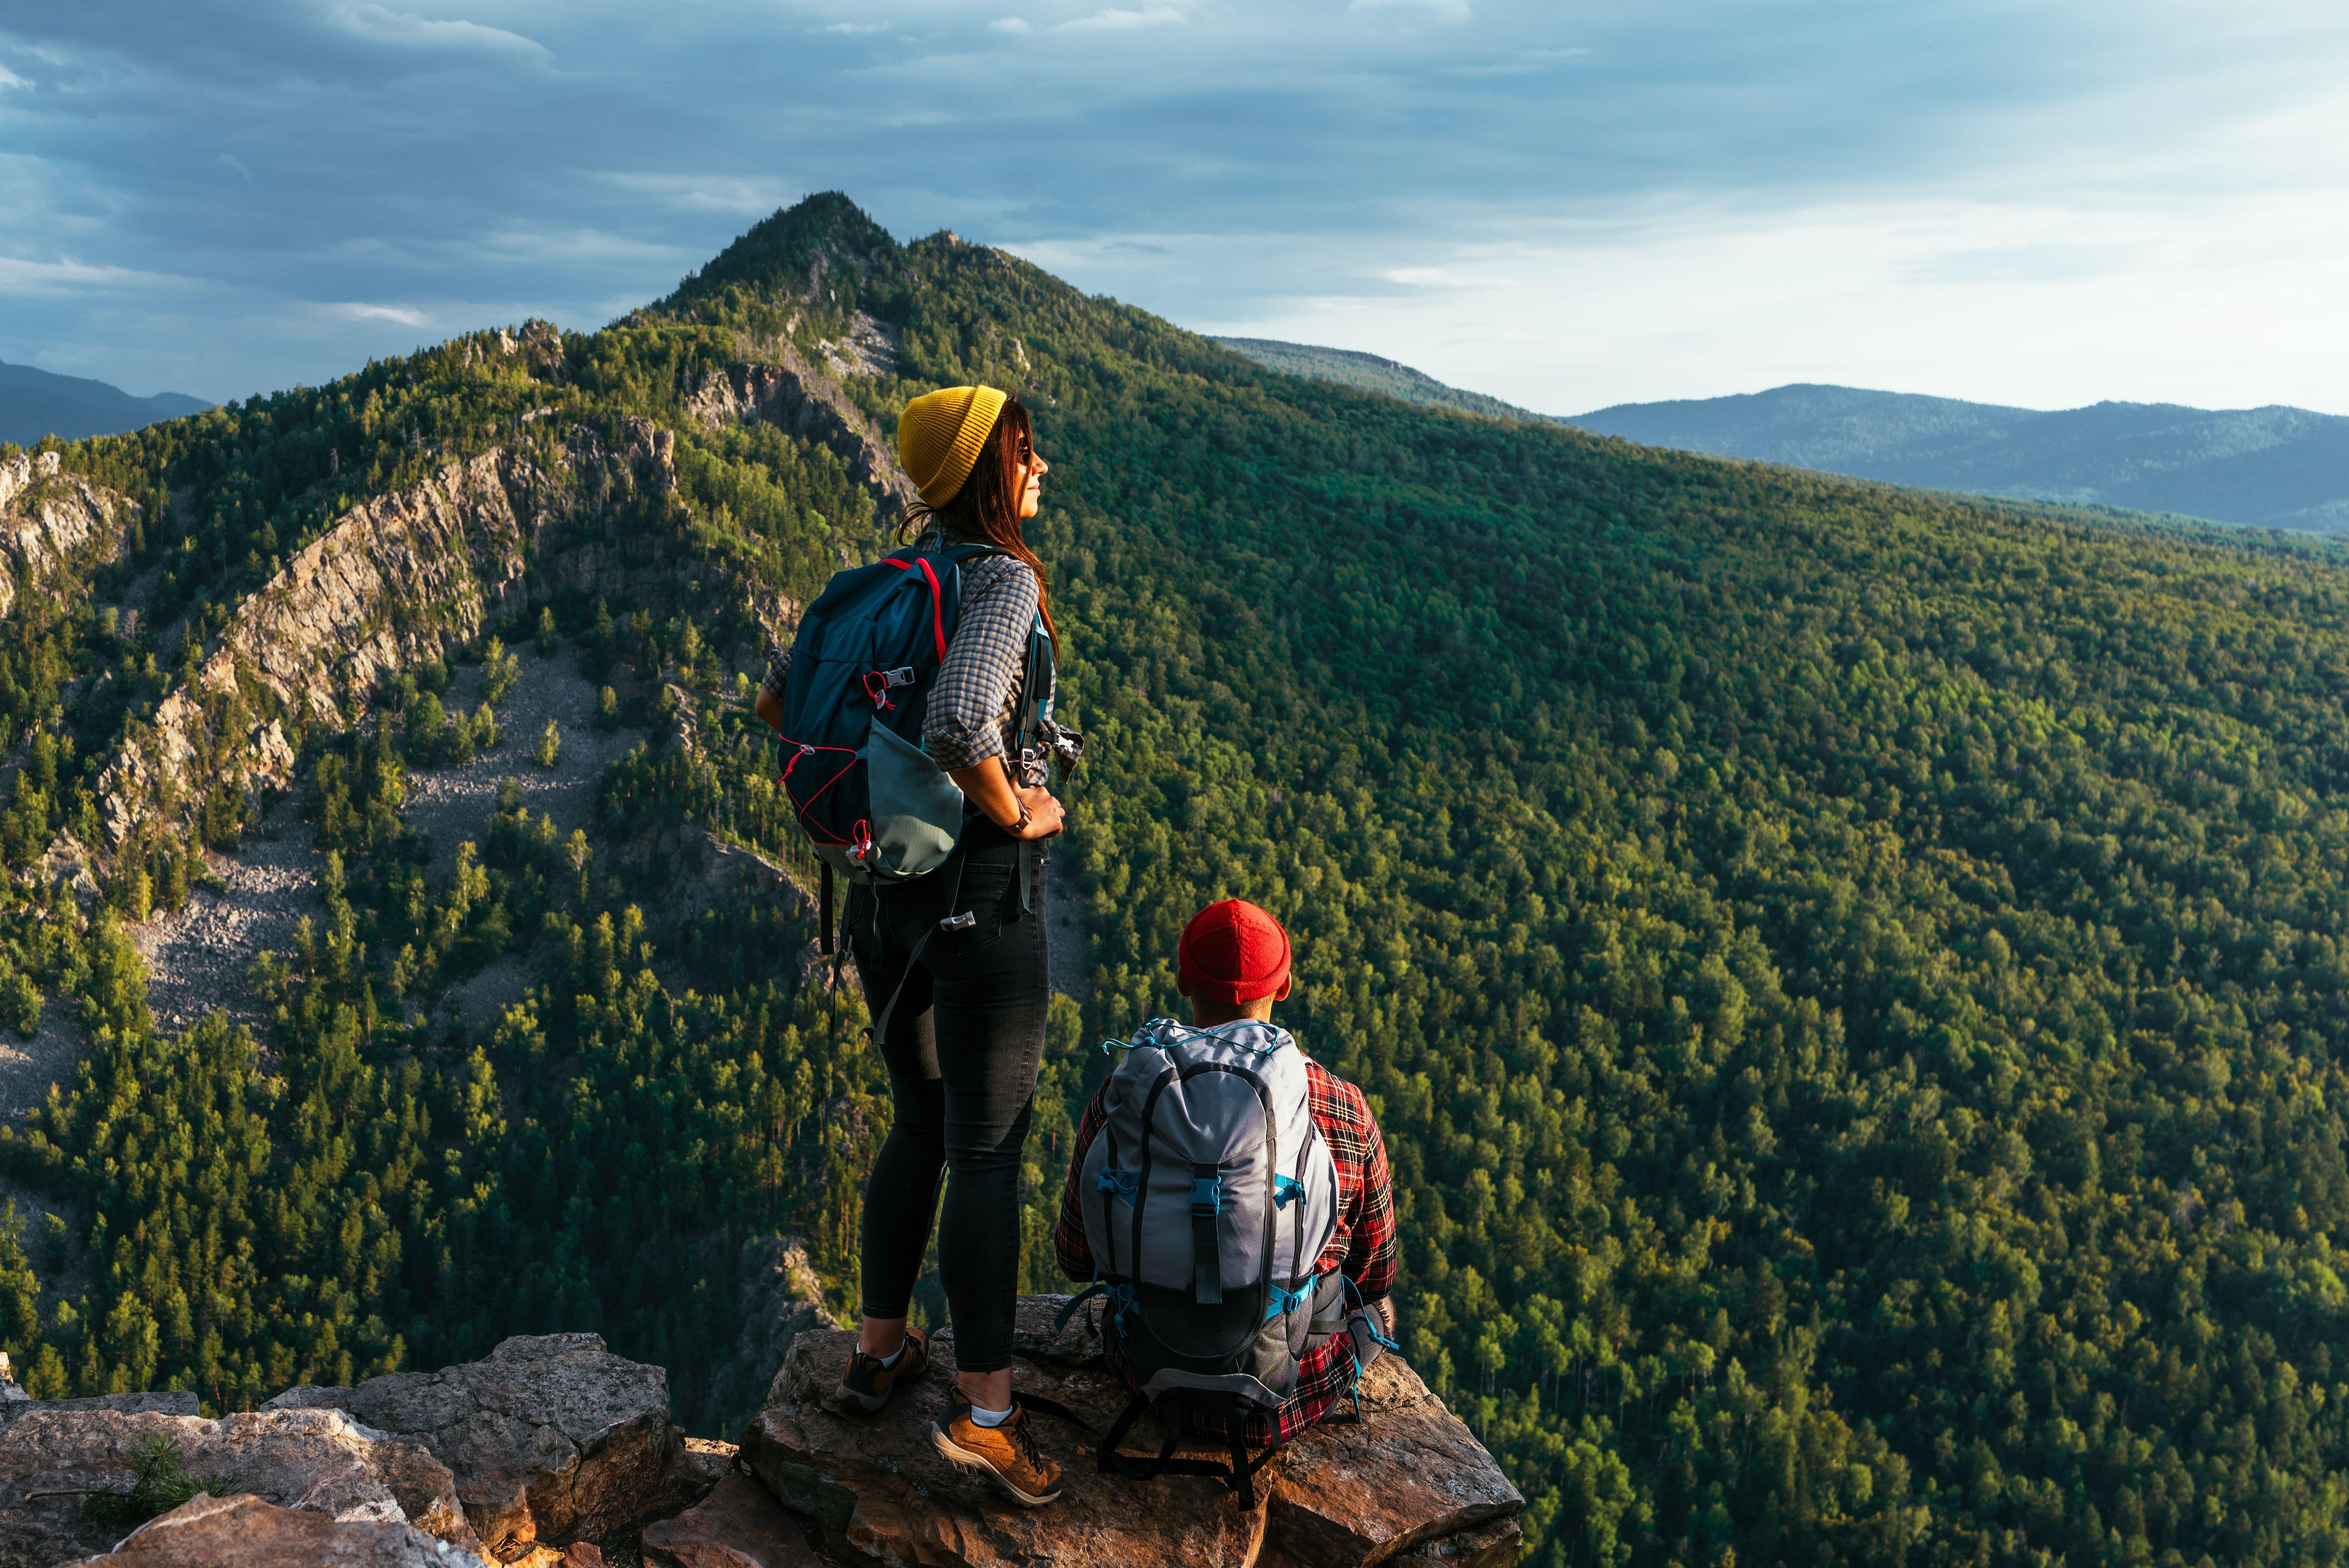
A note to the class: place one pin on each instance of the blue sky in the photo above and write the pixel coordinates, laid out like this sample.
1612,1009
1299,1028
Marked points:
2035,201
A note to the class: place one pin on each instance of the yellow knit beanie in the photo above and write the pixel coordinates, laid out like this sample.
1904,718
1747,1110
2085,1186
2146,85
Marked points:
939,434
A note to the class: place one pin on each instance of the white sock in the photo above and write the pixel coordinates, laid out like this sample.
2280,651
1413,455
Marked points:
982,1417
897,1354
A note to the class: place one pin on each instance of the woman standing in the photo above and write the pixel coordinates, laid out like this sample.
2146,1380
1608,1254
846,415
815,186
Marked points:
964,1036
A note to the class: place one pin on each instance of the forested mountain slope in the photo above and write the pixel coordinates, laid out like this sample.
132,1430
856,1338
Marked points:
1370,373
1850,978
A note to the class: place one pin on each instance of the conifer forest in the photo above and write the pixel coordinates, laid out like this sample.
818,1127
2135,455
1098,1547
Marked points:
1852,978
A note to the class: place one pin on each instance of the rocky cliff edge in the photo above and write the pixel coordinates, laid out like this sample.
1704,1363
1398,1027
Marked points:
553,1451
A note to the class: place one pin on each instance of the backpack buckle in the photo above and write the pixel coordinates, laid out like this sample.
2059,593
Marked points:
1206,1197
878,683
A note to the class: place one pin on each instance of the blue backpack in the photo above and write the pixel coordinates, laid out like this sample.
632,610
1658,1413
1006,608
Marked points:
872,803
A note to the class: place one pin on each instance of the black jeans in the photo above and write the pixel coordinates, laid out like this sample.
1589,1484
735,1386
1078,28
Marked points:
962,1049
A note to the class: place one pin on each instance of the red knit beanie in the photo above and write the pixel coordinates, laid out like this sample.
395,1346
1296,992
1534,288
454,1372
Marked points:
1233,952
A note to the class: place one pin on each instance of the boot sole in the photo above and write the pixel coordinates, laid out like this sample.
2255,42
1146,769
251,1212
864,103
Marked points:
964,1458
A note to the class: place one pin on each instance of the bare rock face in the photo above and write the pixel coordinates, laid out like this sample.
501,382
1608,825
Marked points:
1408,1486
791,394
243,1532
320,1461
1411,1472
738,1525
51,521
552,1438
391,583
160,1402
777,1291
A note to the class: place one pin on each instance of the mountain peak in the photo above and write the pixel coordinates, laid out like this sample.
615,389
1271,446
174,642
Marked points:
792,246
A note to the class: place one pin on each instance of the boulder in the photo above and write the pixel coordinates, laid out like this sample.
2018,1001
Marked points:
243,1532
1410,1472
1410,1485
319,1461
551,1439
738,1525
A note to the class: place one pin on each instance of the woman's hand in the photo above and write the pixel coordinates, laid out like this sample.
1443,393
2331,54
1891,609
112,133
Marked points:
990,790
1044,819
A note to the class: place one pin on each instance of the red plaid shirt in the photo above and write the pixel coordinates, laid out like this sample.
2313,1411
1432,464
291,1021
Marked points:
1363,1245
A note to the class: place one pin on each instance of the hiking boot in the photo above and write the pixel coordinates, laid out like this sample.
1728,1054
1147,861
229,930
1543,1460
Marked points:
1008,1452
865,1385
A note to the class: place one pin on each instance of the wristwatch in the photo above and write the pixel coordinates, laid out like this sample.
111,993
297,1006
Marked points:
1019,827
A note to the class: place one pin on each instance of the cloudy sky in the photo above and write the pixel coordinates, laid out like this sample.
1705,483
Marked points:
1568,204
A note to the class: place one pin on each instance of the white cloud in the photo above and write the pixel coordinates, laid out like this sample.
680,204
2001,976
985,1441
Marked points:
357,311
9,78
1009,25
2039,304
736,194
1527,63
1432,278
1438,10
67,275
377,24
1123,21
855,27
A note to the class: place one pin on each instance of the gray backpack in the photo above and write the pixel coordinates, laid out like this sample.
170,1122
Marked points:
1208,1196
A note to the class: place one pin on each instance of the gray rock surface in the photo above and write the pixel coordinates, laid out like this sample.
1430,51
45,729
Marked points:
317,1460
551,1439
392,582
243,1532
50,521
160,1402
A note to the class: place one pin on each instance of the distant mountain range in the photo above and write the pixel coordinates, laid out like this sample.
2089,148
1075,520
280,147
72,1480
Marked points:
36,403
2277,467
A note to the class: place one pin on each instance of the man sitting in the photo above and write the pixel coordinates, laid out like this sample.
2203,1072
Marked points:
1234,964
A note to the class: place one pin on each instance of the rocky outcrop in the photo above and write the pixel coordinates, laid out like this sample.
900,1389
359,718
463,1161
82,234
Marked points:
550,1439
1409,1475
391,583
1410,1484
220,1533
789,393
53,523
555,1453
739,1525
779,1298
53,1453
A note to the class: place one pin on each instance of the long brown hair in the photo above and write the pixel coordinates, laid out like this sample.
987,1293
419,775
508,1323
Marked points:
985,511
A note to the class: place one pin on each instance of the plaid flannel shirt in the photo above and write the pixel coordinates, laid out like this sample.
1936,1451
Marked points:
1363,1246
974,712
